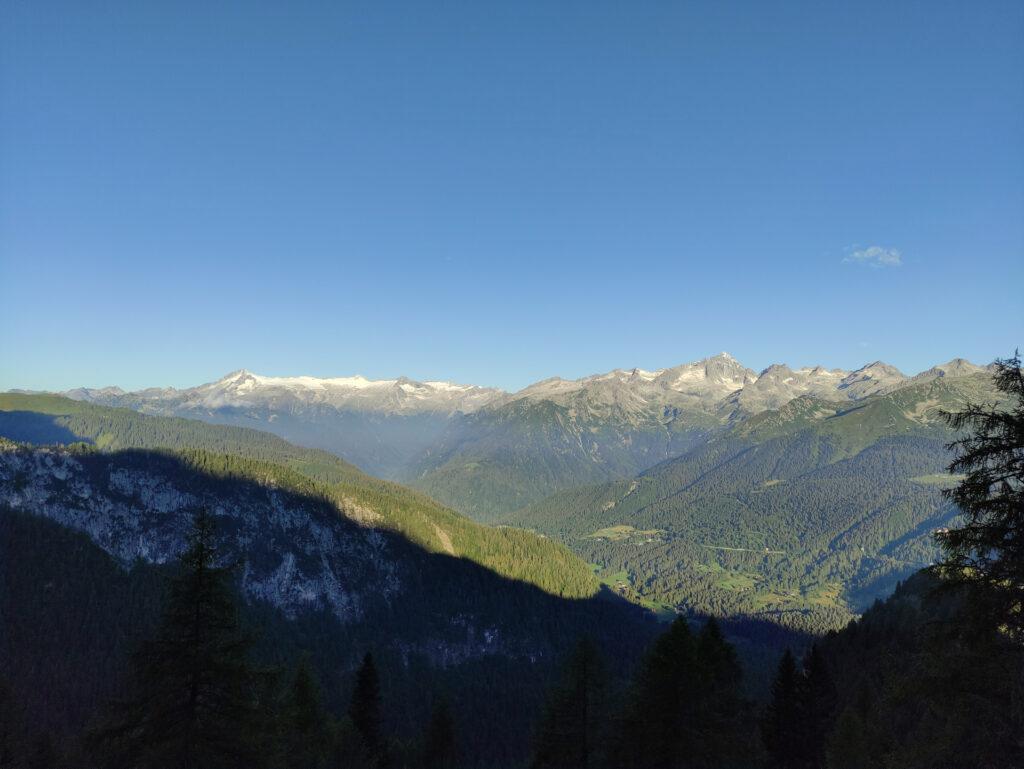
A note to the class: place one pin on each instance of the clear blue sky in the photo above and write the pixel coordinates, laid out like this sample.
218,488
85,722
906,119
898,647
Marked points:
500,192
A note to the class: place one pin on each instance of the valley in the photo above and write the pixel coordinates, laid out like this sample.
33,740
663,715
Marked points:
96,506
797,496
786,524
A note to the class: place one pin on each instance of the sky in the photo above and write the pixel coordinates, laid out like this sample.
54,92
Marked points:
497,193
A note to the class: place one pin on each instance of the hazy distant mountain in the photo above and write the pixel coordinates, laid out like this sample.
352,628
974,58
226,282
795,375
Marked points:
242,388
486,451
380,425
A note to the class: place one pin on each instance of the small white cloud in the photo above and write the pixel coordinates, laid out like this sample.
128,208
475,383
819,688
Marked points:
876,256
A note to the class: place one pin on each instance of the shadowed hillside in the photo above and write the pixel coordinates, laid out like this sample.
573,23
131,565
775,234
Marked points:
314,576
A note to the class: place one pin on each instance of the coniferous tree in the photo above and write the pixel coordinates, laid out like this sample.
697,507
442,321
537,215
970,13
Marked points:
849,745
305,721
658,729
365,711
573,731
722,728
440,749
987,552
783,729
193,702
820,704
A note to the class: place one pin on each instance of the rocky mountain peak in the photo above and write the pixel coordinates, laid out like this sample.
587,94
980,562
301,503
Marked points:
876,377
775,370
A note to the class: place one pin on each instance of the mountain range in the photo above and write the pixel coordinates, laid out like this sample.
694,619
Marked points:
487,452
786,501
806,513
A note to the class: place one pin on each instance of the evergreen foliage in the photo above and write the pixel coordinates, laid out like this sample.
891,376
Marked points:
686,709
820,704
193,703
724,722
784,726
573,733
800,713
800,516
78,612
307,733
365,712
923,682
987,551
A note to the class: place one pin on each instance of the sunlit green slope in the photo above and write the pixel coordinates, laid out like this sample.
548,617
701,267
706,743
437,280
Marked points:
48,419
802,514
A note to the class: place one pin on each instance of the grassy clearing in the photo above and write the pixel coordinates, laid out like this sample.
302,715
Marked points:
738,580
943,480
623,532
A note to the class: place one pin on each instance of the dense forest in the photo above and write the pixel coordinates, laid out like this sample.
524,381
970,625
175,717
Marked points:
150,661
801,516
918,681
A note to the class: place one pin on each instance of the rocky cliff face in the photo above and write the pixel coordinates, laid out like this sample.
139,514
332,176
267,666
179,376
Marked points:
435,622
294,552
298,548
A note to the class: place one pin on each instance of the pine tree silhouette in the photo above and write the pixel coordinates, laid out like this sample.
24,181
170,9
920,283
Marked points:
194,695
784,728
306,734
365,712
573,730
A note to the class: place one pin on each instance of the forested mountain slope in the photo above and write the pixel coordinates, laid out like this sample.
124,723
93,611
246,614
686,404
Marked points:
802,514
919,683
557,435
498,459
316,575
48,419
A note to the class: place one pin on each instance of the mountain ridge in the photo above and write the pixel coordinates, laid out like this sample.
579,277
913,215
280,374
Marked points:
485,451
242,383
806,513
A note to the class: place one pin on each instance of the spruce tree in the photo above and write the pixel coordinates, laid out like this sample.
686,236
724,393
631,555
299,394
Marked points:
658,733
987,551
722,728
193,701
717,658
849,744
820,704
365,711
305,721
784,728
573,730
